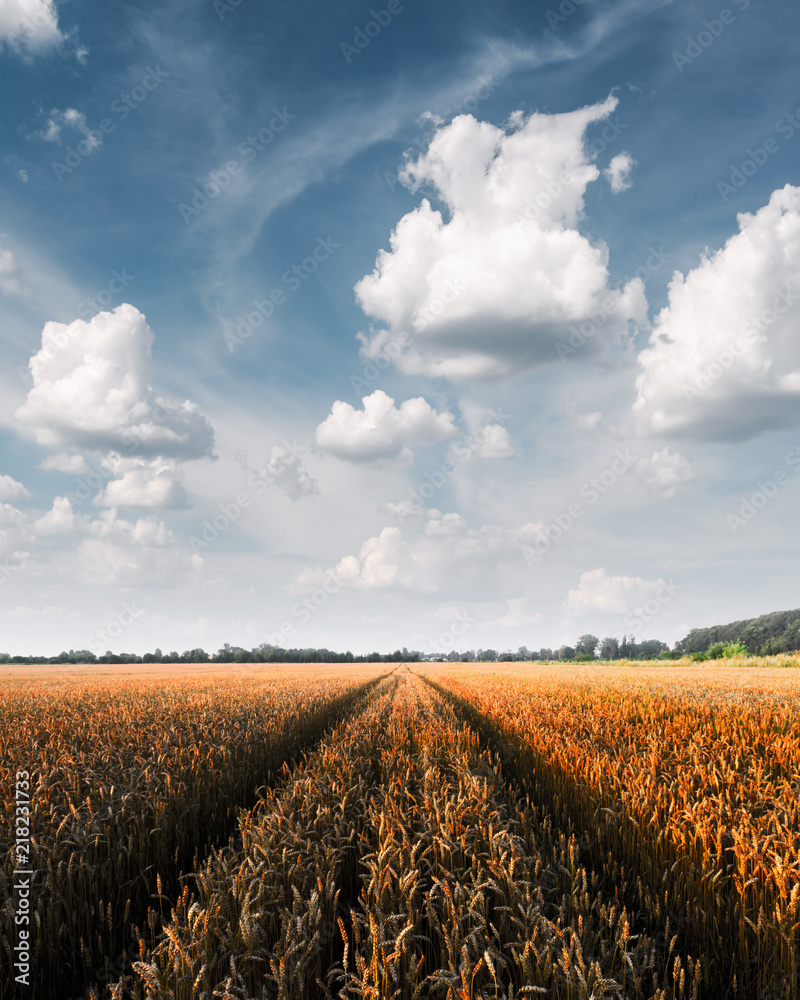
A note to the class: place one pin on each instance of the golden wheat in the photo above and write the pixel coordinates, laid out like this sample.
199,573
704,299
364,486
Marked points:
129,779
690,778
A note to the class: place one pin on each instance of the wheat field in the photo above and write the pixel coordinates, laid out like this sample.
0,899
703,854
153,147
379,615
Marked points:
431,830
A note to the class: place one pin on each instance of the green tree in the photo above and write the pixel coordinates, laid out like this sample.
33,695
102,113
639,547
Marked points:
609,648
587,645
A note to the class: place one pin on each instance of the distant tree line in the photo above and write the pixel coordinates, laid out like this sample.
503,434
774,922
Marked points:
766,635
264,653
778,632
588,647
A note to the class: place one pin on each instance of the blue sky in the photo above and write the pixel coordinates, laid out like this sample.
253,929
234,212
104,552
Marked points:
427,202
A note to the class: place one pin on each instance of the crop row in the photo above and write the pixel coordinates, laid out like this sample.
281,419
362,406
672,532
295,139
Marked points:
129,781
695,787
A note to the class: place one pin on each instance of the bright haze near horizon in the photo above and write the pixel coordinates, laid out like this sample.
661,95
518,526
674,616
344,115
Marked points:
377,325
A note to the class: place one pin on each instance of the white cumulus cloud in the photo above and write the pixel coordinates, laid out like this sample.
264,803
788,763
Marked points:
11,274
73,464
664,471
286,471
617,173
723,361
29,25
486,285
109,549
494,441
91,389
381,430
72,119
444,554
10,489
61,519
598,593
143,483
